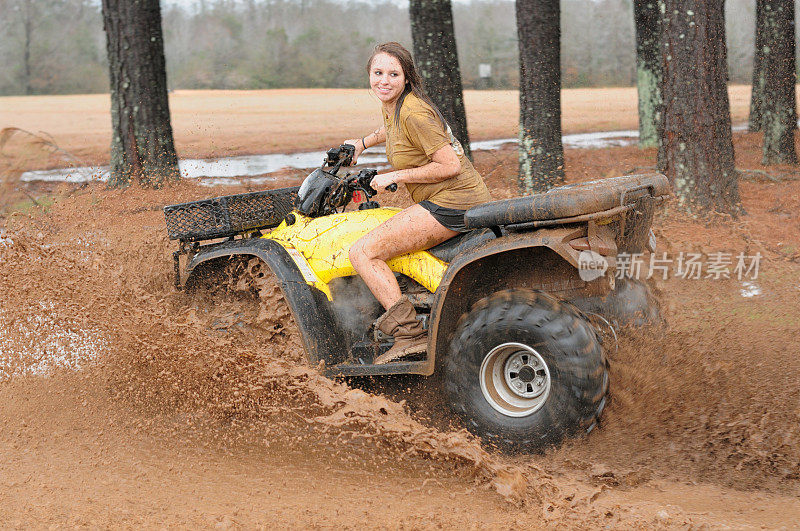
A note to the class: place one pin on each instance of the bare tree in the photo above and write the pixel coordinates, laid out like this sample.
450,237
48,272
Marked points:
648,70
142,147
778,99
541,153
436,58
27,22
696,146
740,16
29,17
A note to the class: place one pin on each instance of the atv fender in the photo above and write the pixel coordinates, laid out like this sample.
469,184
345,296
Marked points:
541,260
323,339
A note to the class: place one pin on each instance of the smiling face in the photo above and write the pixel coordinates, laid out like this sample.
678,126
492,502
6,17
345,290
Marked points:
386,78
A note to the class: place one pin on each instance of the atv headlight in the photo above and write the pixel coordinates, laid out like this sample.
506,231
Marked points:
313,193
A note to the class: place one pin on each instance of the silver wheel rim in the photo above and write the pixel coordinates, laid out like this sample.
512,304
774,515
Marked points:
515,379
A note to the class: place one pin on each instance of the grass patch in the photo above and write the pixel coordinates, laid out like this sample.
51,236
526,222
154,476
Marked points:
32,206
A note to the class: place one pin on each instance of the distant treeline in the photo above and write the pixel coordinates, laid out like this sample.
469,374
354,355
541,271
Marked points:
58,46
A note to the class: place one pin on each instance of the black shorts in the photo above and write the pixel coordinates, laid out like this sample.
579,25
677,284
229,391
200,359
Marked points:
452,218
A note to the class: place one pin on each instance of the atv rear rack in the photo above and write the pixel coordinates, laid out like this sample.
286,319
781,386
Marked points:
223,217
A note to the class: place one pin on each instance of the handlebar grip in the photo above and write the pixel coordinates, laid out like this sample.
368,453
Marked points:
392,187
349,150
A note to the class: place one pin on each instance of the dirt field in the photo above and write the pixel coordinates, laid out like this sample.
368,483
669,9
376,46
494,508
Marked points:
224,123
195,414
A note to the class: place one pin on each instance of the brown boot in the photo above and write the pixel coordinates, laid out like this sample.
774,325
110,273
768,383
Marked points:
401,322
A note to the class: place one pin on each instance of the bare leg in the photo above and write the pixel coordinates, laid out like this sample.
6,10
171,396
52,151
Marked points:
413,229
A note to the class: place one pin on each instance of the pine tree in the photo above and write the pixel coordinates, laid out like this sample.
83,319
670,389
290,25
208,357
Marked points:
648,70
757,92
541,153
696,144
778,103
142,146
437,62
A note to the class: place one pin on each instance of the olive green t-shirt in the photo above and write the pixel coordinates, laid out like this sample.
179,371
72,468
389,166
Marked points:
410,145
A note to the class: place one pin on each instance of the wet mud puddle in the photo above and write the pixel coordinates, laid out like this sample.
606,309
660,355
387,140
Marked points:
257,169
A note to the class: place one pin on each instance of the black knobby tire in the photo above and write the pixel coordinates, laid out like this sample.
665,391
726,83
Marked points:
518,327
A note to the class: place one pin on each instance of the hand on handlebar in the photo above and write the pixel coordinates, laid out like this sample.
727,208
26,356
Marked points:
355,142
384,181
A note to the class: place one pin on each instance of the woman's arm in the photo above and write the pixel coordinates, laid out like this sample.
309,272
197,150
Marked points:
444,165
376,137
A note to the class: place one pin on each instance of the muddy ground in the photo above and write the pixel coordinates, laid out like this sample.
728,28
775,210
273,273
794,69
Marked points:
196,411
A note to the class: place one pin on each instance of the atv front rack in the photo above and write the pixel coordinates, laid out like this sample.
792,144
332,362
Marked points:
227,216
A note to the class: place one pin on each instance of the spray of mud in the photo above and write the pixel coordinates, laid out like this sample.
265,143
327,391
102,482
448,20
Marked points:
229,359
227,362
354,305
696,413
247,296
713,395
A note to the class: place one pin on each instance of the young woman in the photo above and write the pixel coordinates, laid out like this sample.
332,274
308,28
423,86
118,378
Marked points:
430,162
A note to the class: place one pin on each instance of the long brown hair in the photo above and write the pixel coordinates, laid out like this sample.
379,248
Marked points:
414,81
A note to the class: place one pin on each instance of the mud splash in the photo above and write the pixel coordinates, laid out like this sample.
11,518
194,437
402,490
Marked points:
39,344
702,401
698,398
226,357
702,411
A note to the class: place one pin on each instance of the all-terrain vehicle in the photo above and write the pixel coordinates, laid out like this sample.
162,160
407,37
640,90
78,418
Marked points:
521,364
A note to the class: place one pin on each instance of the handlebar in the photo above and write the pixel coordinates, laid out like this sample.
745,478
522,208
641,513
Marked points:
343,155
363,181
335,158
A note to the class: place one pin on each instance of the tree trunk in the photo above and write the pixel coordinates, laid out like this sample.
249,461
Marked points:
437,62
648,70
696,145
757,92
778,105
541,153
26,52
142,146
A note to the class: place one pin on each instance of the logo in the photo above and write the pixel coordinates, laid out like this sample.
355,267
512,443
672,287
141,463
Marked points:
591,265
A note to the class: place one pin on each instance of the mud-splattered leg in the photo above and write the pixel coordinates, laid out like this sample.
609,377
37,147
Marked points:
413,229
